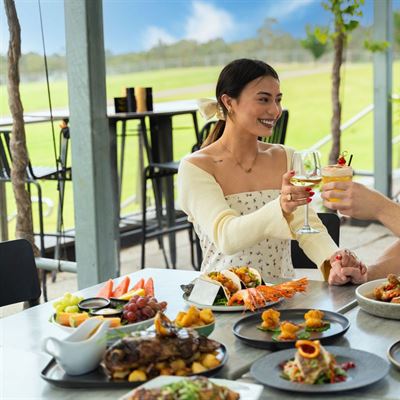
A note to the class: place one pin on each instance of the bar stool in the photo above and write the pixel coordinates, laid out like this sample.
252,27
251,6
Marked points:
161,175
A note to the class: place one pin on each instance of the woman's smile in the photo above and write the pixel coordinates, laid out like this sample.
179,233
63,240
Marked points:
268,123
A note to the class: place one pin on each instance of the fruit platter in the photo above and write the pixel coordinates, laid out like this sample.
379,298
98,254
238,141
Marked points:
127,309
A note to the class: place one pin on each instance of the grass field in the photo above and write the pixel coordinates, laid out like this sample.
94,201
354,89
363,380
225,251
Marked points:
306,90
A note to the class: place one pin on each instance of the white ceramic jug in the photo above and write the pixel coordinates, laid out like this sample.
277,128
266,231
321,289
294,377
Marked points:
80,352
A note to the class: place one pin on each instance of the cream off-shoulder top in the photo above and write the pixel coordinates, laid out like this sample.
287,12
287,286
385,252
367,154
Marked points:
247,228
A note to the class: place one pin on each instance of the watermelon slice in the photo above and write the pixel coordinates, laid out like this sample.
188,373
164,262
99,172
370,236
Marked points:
139,284
107,290
122,288
149,287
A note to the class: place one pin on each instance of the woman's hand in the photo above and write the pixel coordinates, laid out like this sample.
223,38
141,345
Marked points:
293,196
346,267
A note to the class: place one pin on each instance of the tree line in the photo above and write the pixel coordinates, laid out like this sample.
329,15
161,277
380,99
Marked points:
269,44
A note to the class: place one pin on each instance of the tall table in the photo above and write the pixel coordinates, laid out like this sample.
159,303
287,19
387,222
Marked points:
22,359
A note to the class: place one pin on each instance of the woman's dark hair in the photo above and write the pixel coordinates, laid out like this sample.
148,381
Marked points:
232,80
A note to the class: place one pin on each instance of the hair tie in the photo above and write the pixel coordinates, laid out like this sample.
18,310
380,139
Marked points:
210,108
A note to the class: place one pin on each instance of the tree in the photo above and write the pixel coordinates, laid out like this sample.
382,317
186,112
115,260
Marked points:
344,13
19,152
311,43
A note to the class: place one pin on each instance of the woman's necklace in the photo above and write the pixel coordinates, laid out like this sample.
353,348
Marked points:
243,168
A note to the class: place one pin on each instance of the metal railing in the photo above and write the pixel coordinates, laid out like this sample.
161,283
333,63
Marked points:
56,265
364,112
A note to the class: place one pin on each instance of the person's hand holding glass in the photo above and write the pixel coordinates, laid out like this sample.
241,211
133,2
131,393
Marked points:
307,173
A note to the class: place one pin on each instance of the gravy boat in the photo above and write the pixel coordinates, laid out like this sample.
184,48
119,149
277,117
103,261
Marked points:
80,352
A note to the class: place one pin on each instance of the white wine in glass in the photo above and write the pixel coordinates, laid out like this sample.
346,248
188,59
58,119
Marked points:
307,173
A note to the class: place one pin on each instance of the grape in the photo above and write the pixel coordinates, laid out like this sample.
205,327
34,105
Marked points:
141,308
71,309
132,307
152,304
141,302
74,300
147,311
131,316
59,309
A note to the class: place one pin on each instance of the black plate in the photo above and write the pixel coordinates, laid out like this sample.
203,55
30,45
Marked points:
369,369
394,354
55,375
246,329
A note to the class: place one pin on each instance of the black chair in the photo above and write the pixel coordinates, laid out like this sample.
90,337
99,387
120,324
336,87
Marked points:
332,224
18,274
161,175
203,134
61,174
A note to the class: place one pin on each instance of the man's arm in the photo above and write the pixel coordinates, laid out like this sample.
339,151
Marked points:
389,215
388,263
357,201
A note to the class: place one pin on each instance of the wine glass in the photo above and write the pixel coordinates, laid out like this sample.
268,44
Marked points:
307,172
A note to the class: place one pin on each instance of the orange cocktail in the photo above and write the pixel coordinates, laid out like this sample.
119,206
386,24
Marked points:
336,173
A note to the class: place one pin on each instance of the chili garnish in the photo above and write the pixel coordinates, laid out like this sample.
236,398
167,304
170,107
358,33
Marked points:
308,348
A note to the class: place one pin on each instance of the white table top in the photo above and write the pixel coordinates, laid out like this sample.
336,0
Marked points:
21,359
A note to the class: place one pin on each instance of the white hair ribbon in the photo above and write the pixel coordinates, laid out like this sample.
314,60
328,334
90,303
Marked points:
210,108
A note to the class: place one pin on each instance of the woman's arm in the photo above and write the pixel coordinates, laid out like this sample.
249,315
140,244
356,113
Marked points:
203,201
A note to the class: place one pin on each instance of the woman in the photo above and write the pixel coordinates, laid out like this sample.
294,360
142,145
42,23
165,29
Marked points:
236,190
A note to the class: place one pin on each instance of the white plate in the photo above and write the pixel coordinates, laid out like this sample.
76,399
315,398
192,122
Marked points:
137,326
247,391
223,308
366,300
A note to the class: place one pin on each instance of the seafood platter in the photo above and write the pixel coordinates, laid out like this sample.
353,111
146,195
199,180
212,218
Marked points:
238,289
280,329
310,367
381,297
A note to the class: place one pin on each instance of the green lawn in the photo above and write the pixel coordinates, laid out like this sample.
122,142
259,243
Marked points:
306,97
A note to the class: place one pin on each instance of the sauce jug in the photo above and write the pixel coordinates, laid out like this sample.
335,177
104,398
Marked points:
79,352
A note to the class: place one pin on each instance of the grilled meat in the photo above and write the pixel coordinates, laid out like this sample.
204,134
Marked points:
133,352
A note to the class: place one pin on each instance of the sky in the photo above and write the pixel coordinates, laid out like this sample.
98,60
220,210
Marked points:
137,25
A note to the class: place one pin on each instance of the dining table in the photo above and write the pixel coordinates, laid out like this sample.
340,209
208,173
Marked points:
22,358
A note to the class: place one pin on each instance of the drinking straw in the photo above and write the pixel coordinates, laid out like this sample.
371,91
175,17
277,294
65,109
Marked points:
351,157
